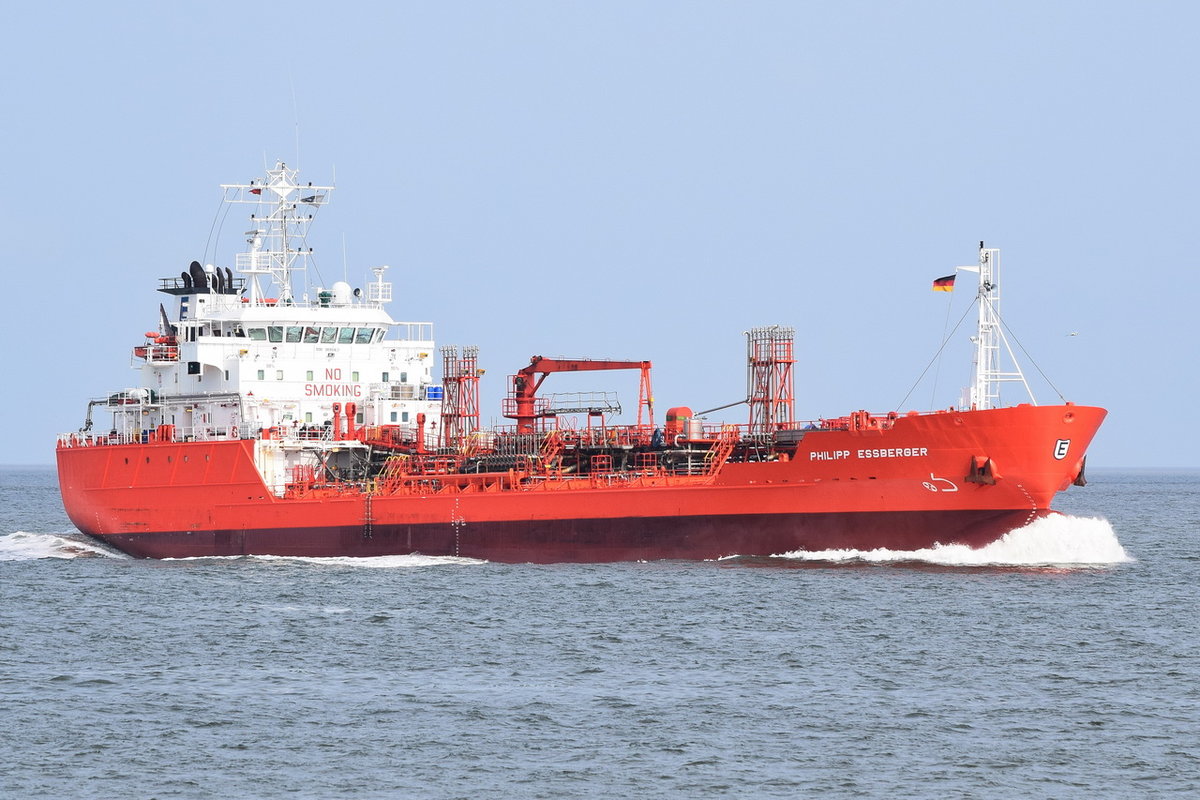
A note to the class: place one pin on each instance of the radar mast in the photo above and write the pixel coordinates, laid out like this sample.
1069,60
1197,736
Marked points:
276,239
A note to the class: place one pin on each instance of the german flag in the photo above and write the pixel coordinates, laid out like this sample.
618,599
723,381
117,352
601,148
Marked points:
945,284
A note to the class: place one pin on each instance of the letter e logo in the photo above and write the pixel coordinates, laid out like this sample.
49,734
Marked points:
1060,449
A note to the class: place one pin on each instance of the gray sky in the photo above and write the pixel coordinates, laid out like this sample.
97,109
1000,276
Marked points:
628,180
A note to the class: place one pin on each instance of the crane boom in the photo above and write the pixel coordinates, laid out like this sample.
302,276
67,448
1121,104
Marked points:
528,380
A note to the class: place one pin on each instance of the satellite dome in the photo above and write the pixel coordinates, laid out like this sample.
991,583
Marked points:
341,293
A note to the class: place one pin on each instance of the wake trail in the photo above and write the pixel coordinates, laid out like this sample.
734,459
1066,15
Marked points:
1054,541
28,546
375,562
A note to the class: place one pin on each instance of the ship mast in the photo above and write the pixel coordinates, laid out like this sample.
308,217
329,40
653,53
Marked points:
985,389
277,237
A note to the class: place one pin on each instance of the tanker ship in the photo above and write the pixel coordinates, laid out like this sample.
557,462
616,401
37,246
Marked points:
275,417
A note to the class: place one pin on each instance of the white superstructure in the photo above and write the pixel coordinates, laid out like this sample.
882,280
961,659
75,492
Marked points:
254,348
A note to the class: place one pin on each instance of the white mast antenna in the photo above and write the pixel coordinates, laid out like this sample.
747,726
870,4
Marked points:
380,291
296,114
985,389
276,237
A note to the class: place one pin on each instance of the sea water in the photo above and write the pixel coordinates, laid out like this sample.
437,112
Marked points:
1060,662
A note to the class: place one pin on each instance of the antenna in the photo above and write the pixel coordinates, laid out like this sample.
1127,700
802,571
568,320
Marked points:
296,115
380,291
276,238
985,391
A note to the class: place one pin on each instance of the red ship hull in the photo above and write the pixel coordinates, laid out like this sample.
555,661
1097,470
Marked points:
951,478
592,540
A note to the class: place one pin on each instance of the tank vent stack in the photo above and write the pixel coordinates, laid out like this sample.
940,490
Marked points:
460,402
770,389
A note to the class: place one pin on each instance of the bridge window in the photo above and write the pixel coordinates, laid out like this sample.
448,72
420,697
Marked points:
294,332
328,335
346,336
258,334
275,333
365,335
311,335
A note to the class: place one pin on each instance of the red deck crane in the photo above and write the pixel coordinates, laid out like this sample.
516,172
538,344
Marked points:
528,380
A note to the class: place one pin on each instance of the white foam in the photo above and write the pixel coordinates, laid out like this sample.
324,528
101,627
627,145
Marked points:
25,546
377,562
1056,540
